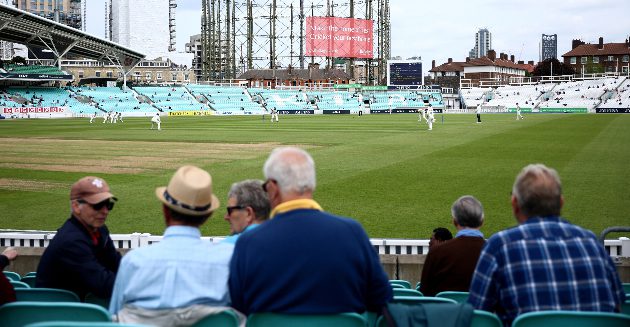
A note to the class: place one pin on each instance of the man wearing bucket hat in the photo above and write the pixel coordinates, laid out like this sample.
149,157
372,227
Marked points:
182,278
331,258
81,257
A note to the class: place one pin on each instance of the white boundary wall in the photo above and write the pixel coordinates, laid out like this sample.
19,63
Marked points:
616,248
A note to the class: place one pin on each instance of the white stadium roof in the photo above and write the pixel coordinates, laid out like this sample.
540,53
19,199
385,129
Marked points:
31,30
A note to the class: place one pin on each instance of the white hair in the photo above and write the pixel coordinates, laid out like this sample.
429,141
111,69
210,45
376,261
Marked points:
292,168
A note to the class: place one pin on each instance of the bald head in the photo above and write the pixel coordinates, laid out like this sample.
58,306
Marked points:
538,191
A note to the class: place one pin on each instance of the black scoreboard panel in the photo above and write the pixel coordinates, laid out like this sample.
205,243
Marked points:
408,73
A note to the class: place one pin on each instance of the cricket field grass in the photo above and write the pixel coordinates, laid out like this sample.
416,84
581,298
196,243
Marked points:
387,171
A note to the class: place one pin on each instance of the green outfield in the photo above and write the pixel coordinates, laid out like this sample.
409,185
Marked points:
387,171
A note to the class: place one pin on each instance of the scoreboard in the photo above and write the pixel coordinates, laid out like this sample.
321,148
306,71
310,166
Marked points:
404,73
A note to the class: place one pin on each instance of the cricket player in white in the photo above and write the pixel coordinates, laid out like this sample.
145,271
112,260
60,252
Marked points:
105,117
274,114
92,117
156,120
430,118
518,112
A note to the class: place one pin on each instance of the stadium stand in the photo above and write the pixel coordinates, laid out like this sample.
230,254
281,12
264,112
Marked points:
619,98
226,100
47,97
527,96
32,69
114,99
578,94
172,98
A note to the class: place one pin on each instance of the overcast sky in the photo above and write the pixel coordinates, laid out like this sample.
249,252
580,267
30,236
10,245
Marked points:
446,29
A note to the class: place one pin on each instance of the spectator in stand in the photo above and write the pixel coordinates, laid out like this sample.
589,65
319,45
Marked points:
7,293
450,266
182,278
247,208
545,263
439,236
304,260
81,257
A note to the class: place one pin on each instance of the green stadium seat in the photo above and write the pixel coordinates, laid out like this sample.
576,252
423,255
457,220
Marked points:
626,288
406,292
45,295
625,307
460,297
485,319
19,314
30,280
421,299
571,318
404,283
398,286
32,273
18,284
286,320
226,318
12,275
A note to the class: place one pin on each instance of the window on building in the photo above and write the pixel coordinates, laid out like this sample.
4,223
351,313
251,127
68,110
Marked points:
173,76
596,60
120,74
583,60
110,74
186,76
147,76
159,76
573,60
626,58
80,74
624,69
97,74
611,58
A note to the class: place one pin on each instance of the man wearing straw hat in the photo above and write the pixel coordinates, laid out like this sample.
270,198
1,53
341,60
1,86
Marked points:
182,278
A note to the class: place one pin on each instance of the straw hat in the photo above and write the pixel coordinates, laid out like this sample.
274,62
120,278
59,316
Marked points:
189,192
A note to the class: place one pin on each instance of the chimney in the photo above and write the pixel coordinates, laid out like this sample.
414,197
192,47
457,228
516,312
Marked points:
501,55
492,55
432,64
531,62
512,58
467,59
450,60
521,62
576,43
601,43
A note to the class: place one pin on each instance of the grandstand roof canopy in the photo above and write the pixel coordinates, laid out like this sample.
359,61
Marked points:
22,27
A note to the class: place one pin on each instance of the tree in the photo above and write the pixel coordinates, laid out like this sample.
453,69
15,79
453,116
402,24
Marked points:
544,68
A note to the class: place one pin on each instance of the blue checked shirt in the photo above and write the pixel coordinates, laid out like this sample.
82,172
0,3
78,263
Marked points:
544,264
179,271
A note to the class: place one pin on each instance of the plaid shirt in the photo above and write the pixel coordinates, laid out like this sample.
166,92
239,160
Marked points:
544,264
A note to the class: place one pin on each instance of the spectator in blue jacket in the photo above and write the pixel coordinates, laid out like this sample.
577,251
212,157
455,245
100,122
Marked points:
81,257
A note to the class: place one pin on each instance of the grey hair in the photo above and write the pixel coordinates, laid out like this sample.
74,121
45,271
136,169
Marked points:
468,211
538,190
251,194
292,168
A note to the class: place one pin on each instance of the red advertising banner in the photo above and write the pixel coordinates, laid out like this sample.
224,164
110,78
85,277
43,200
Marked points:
339,37
33,110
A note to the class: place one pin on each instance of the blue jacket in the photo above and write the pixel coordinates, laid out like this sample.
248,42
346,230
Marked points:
307,261
72,261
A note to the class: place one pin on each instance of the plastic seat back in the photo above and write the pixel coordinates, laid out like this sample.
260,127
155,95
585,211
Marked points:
571,318
45,295
406,292
225,319
30,280
18,314
10,275
91,298
421,299
404,283
18,284
460,297
485,319
286,320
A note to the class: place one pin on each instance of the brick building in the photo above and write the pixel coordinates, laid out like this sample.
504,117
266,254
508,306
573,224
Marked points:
587,58
311,77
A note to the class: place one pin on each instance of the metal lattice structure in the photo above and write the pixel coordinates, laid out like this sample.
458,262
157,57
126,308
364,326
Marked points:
269,34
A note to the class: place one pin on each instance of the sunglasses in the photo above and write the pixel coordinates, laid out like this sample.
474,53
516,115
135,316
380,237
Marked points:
98,206
264,185
232,208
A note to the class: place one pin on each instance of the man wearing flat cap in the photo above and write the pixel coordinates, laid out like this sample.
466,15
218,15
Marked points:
182,278
81,257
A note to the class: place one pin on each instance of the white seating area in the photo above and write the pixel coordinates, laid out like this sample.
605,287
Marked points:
114,99
474,96
527,96
579,94
172,98
620,98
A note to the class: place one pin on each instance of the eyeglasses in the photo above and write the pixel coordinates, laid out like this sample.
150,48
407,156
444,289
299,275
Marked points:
232,208
264,185
98,206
